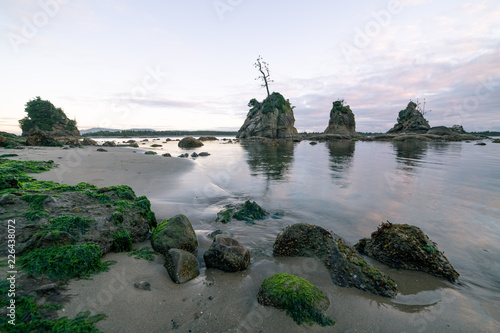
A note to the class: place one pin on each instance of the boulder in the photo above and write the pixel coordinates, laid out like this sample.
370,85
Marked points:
273,118
302,301
181,265
109,144
406,246
207,138
89,142
249,211
410,120
346,266
495,141
174,233
341,120
190,142
458,129
227,254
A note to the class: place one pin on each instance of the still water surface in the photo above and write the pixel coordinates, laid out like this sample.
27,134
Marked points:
450,190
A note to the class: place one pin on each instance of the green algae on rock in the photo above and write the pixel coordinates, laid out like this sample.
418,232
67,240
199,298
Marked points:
346,266
122,241
64,262
174,233
406,246
301,299
249,212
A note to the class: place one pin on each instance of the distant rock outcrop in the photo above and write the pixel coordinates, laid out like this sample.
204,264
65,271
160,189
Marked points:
341,119
410,120
273,118
47,125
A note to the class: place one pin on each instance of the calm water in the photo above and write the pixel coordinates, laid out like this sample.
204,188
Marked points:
450,190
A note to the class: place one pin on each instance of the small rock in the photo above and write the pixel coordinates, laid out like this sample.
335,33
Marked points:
166,155
101,149
181,265
227,254
176,232
204,153
145,285
194,154
313,143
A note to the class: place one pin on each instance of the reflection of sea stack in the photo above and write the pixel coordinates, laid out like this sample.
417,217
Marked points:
341,120
410,120
273,118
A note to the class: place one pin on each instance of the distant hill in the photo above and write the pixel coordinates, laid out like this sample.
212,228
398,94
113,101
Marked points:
152,133
101,129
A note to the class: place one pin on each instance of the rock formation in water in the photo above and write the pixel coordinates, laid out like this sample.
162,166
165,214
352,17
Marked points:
47,125
273,118
341,120
410,120
406,246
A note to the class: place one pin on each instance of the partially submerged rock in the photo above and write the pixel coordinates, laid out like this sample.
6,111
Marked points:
346,266
190,142
406,246
341,120
181,265
249,211
174,233
273,118
227,254
301,299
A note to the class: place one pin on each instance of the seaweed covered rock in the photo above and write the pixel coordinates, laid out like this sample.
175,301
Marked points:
301,299
406,246
122,241
410,120
249,211
50,214
341,120
190,142
273,118
181,265
174,233
227,254
346,266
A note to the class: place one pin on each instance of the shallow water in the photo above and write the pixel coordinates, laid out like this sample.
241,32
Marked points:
450,190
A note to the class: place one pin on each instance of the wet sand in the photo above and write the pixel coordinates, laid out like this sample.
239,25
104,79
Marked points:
226,302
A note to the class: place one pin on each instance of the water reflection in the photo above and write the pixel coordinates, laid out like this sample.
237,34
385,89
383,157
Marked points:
271,160
410,154
341,156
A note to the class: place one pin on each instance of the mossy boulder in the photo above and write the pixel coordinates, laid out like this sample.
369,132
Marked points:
181,265
347,268
227,254
174,233
190,142
406,246
249,212
302,301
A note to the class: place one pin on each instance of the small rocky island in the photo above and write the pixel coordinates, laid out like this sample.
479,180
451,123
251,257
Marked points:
341,120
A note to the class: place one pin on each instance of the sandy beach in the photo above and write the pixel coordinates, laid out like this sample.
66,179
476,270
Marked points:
225,302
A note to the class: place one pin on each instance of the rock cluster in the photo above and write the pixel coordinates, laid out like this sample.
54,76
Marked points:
273,118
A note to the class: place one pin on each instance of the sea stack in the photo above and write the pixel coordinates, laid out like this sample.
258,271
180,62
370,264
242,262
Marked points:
273,119
341,120
410,120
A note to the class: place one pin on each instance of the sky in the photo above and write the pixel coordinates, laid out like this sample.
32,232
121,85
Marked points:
170,65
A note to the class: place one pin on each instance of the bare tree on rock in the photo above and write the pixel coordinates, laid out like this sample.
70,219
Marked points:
263,68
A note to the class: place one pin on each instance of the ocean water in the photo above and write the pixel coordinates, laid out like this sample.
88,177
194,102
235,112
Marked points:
451,190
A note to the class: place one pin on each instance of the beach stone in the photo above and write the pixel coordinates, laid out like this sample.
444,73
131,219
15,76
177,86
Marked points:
144,285
89,142
109,144
493,141
183,155
480,144
406,246
347,268
302,301
156,145
174,233
204,153
194,154
166,155
181,265
227,254
249,211
219,232
313,143
101,149
190,142
207,138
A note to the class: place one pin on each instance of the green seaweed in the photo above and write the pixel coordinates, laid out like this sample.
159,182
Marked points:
150,152
122,241
224,216
35,202
250,211
70,224
144,253
64,262
298,297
